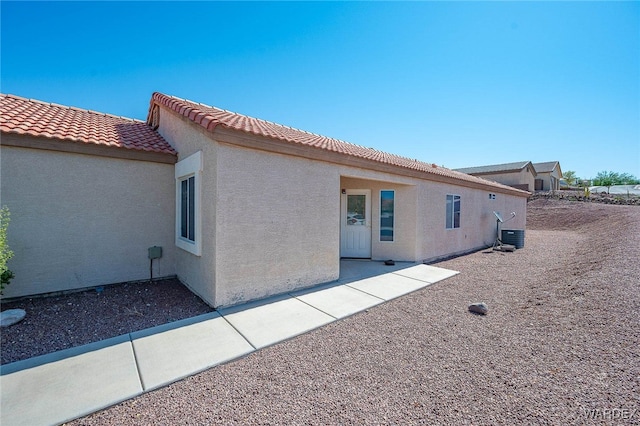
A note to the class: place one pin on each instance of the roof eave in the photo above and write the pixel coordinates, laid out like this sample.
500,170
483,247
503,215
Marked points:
263,143
494,172
64,145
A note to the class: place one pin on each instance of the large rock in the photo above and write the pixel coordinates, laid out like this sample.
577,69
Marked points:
12,316
479,308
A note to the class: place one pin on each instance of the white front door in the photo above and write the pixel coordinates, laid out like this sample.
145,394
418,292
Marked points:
355,224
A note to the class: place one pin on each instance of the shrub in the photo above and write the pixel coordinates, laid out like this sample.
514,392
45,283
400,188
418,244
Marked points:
5,254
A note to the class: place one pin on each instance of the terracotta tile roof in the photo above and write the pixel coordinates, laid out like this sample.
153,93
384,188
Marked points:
40,119
210,117
496,168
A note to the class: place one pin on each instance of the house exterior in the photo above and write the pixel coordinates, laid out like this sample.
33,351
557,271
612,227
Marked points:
521,175
87,194
548,176
242,208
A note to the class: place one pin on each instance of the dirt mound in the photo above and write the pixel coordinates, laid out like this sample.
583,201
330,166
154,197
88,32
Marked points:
550,214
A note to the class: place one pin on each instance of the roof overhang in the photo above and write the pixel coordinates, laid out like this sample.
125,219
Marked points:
248,140
230,136
53,144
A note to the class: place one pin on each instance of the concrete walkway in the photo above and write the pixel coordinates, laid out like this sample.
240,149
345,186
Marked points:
58,387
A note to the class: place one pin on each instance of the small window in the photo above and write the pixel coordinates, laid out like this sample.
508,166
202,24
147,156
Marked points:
453,211
387,210
356,210
188,182
188,216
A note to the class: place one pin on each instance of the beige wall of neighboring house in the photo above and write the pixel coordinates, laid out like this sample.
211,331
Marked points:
80,220
522,175
549,181
517,178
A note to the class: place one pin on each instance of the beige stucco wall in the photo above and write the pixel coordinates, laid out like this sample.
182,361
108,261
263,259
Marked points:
196,272
546,179
277,224
477,221
420,221
403,248
521,177
271,221
80,220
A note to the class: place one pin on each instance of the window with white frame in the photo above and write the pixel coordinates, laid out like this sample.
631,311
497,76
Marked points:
187,208
453,211
188,173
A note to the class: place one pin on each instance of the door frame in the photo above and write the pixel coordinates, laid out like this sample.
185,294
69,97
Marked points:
367,226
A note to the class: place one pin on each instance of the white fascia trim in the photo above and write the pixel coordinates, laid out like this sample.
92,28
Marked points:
190,166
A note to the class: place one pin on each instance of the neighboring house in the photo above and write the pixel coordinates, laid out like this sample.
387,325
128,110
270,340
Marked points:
519,175
242,208
548,176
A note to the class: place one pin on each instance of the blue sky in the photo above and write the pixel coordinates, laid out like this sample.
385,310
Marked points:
456,83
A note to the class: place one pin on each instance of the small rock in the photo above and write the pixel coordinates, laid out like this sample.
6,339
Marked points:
479,308
12,316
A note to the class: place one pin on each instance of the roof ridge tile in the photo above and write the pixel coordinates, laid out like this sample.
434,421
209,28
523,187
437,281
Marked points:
55,105
35,100
14,96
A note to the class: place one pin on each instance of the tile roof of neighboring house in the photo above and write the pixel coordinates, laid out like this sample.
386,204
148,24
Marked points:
210,117
40,119
547,167
496,168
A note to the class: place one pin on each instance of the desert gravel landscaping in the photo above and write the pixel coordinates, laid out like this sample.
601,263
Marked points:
65,321
559,344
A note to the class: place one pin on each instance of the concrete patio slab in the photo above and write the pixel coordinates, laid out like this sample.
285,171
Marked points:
354,269
174,351
339,301
388,286
273,320
52,389
426,273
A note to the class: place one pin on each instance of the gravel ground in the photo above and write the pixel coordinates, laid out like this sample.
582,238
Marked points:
62,322
561,339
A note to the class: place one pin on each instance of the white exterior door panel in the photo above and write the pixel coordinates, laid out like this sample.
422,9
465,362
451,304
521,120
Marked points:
355,224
